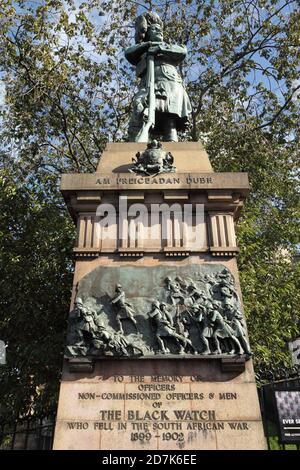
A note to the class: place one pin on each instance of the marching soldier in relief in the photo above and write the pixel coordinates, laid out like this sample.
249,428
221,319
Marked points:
163,322
125,310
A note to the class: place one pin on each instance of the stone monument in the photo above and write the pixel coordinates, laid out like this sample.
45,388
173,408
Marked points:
157,354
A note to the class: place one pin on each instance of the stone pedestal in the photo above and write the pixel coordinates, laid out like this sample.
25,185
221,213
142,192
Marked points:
146,399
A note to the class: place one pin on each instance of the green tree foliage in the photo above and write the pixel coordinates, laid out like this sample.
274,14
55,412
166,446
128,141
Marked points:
35,234
68,90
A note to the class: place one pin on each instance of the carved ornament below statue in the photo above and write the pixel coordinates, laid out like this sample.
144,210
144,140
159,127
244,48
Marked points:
153,160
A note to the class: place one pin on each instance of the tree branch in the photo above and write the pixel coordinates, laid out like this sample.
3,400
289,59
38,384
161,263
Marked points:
269,123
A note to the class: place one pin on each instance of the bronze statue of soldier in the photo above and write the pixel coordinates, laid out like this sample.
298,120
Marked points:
161,106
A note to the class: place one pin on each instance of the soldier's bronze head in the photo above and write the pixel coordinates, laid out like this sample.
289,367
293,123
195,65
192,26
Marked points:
148,27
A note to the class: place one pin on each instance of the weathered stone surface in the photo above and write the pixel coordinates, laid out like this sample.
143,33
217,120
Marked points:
231,401
205,421
76,439
96,182
82,402
188,156
240,438
162,409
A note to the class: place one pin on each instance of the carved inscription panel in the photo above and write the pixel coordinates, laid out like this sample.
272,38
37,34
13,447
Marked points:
158,412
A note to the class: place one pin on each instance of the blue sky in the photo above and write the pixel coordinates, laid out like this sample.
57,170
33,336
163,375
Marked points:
99,19
2,93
